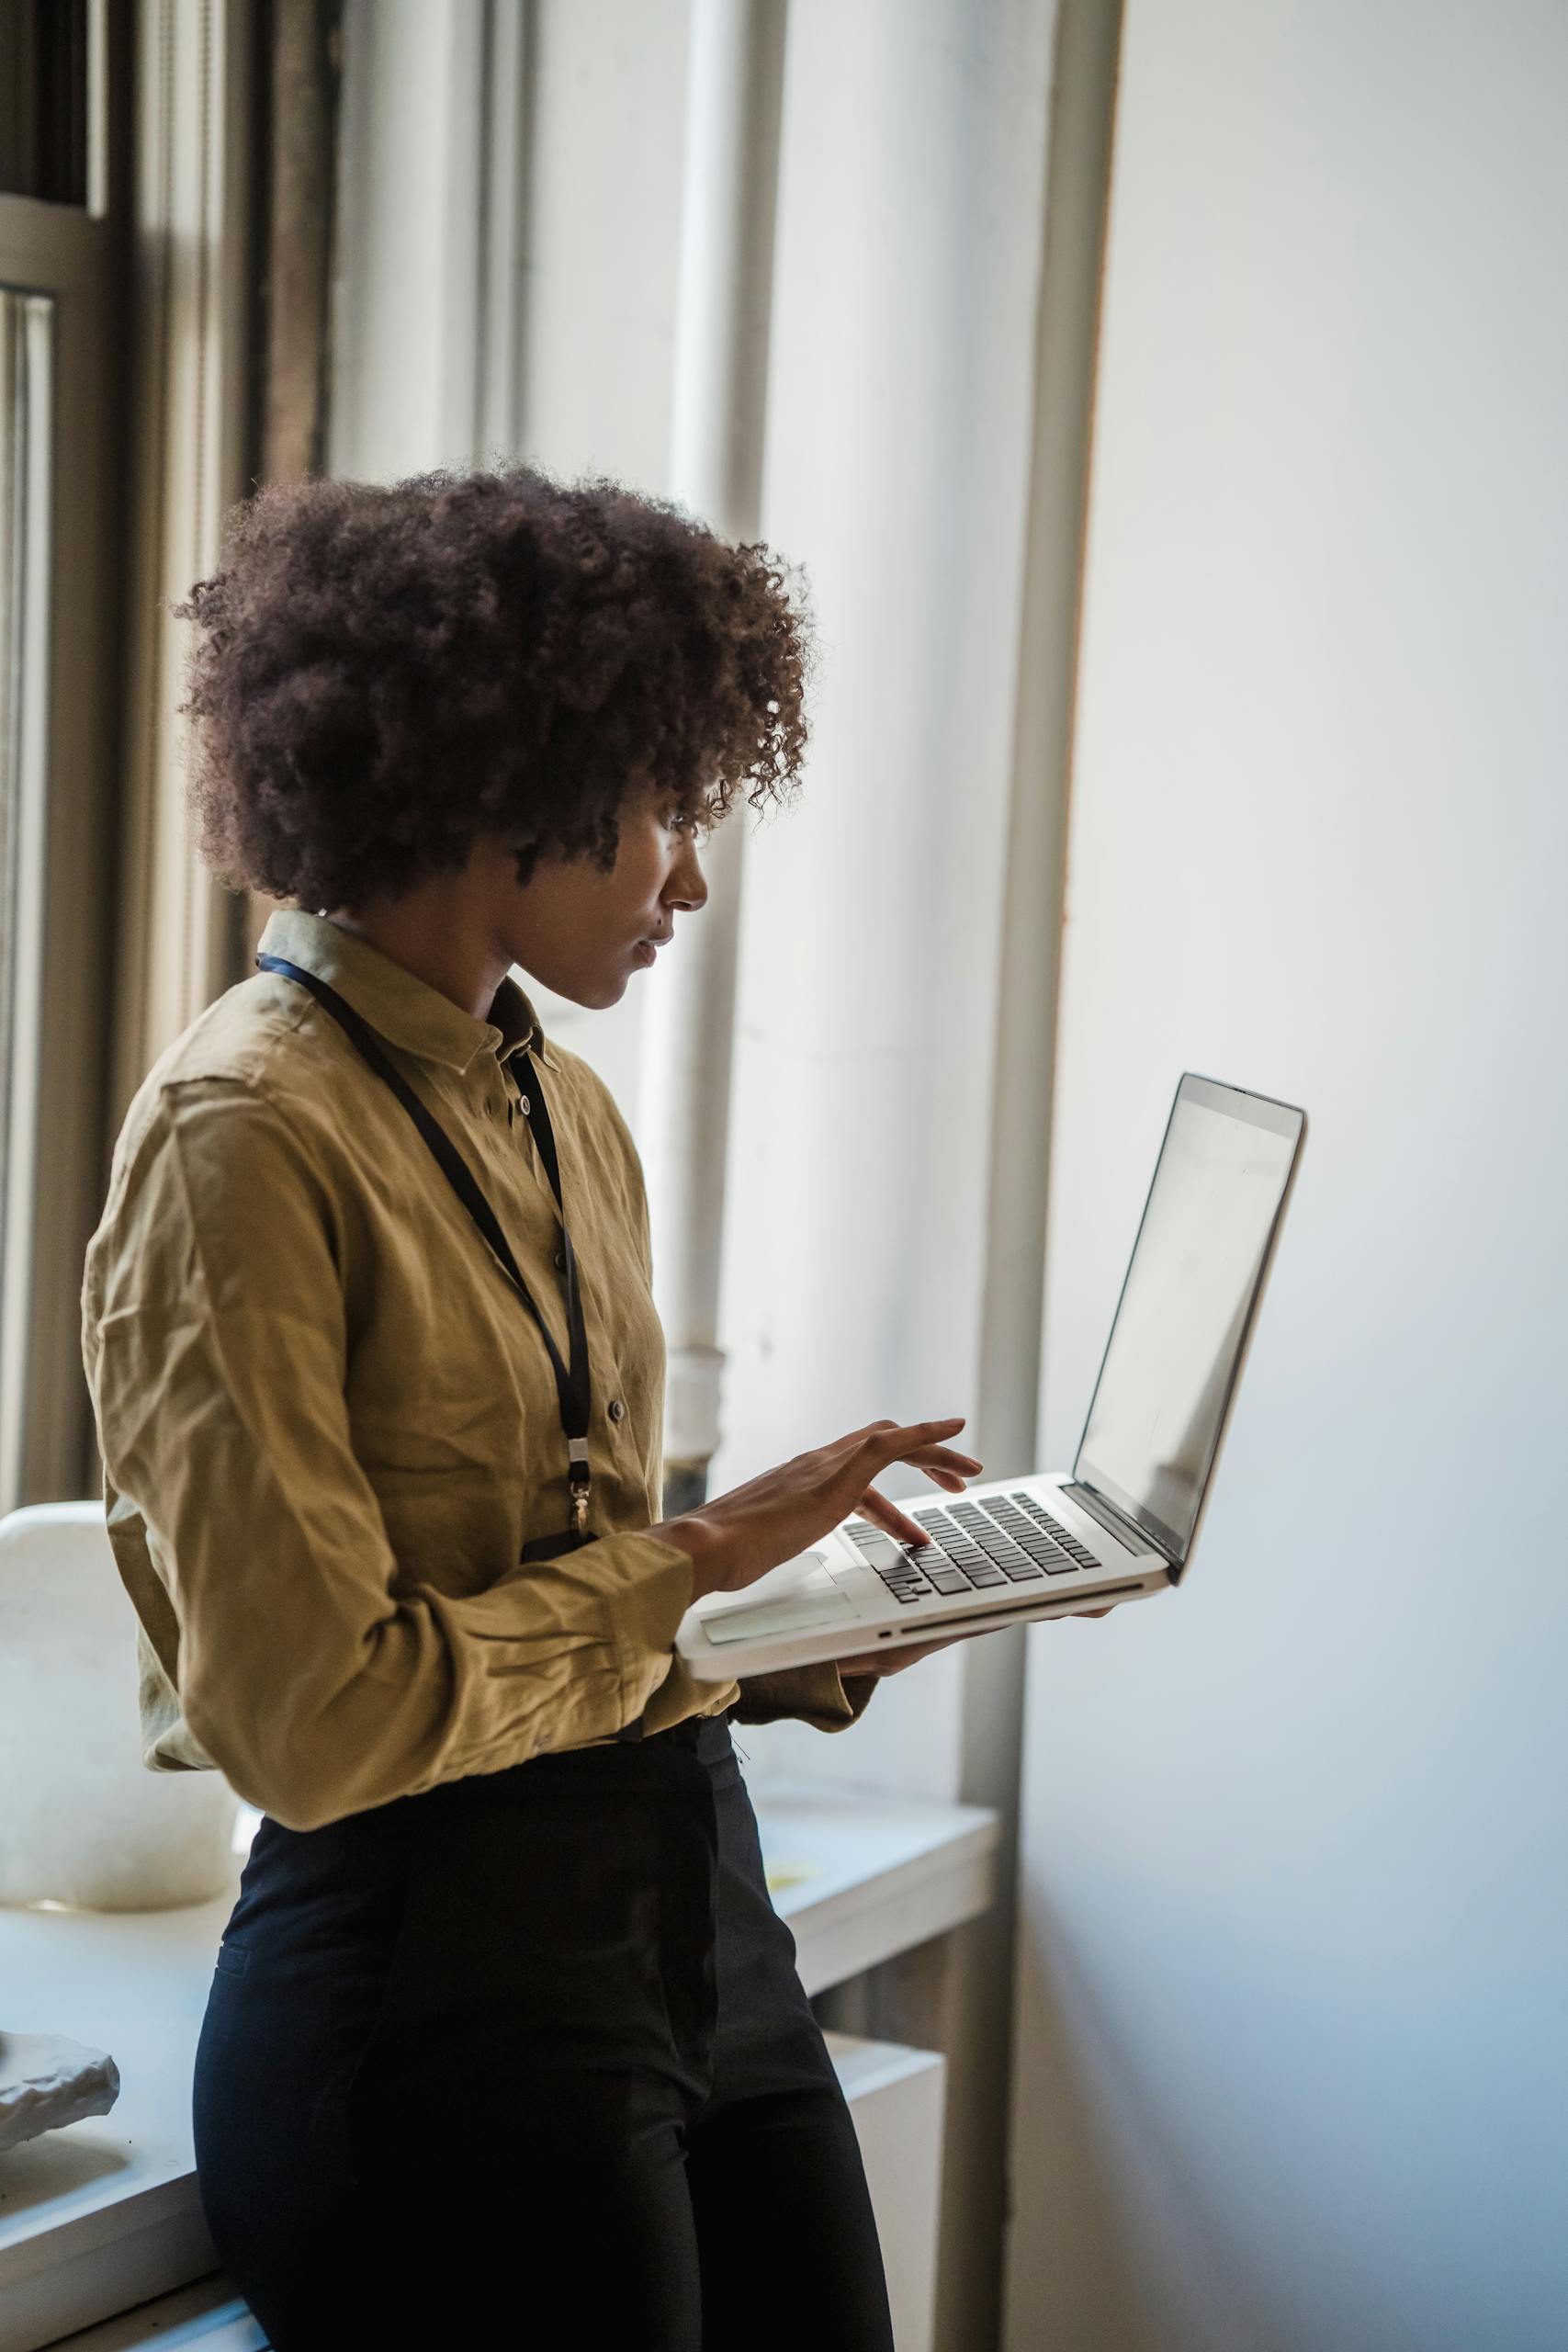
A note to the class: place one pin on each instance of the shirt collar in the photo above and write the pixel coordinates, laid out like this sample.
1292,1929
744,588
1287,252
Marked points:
408,1012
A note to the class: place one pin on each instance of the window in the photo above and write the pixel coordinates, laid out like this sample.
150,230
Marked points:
59,564
44,97
27,352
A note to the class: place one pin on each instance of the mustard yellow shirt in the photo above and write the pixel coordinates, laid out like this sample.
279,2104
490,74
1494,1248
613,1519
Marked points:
329,1426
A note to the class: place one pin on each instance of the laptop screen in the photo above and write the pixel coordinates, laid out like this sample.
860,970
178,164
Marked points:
1176,1344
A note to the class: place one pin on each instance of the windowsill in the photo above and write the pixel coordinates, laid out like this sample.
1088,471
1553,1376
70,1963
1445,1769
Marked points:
878,1874
105,2209
106,2214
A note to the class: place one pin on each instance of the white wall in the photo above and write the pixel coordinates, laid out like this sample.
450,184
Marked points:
865,1272
1292,2066
605,110
607,115
487,140
898,444
508,229
405,300
900,420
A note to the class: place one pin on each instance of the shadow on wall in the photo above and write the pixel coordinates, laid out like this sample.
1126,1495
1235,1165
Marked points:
1116,2247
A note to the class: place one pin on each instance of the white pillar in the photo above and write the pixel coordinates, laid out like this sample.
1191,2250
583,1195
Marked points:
721,349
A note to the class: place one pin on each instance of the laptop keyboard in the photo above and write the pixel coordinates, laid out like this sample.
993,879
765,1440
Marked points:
974,1547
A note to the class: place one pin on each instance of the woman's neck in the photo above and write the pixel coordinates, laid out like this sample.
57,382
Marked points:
432,933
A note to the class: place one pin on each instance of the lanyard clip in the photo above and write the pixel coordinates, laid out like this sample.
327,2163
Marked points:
582,1479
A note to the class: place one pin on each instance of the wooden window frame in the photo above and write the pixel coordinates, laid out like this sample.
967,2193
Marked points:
152,282
55,1115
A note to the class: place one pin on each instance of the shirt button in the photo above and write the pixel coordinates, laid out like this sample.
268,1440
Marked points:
524,1104
617,1410
560,1261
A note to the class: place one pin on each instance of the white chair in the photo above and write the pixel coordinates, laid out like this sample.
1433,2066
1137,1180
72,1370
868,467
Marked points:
82,1822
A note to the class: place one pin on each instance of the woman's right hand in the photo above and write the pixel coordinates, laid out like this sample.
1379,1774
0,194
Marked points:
738,1537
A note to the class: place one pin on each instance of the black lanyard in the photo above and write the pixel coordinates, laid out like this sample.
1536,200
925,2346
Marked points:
573,1386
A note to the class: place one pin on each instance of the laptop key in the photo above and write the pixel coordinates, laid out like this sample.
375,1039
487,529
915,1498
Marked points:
1069,1542
880,1550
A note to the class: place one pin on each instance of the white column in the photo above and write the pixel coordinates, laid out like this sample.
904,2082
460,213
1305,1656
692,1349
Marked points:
410,389
715,471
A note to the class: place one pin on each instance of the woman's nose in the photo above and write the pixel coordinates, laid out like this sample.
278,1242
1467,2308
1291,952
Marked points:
687,887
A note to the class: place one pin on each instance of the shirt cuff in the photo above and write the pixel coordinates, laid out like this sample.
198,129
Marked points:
647,1609
818,1695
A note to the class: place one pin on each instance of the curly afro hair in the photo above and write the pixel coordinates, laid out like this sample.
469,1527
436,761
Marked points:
379,674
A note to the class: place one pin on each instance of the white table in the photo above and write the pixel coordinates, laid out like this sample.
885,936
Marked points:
104,2215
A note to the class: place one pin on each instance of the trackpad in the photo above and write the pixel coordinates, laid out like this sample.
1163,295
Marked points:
812,1601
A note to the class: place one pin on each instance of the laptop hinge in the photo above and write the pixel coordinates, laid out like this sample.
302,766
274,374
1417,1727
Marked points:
1116,1522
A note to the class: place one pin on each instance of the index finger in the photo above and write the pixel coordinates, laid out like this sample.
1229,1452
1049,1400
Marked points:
890,1519
895,1443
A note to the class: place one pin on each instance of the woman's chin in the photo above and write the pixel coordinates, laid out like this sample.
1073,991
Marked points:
595,991
603,991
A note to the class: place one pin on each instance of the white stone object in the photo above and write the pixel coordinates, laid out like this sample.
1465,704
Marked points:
47,2082
82,1821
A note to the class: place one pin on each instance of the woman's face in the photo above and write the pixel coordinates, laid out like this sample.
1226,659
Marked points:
583,932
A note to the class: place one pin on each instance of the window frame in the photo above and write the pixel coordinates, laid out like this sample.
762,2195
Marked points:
56,1121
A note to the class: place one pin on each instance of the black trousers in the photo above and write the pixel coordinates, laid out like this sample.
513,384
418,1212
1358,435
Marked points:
526,2061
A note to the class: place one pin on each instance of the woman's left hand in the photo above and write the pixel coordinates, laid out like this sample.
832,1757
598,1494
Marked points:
882,1663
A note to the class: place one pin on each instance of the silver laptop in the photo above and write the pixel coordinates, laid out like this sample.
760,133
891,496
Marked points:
1123,1523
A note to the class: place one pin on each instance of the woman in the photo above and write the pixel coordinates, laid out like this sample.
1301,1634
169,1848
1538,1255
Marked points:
503,2033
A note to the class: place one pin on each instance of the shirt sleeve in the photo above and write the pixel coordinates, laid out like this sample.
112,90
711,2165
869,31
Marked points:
315,1678
813,1694
819,1695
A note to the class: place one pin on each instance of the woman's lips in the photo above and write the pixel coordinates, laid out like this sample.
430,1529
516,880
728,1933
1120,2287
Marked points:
645,951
